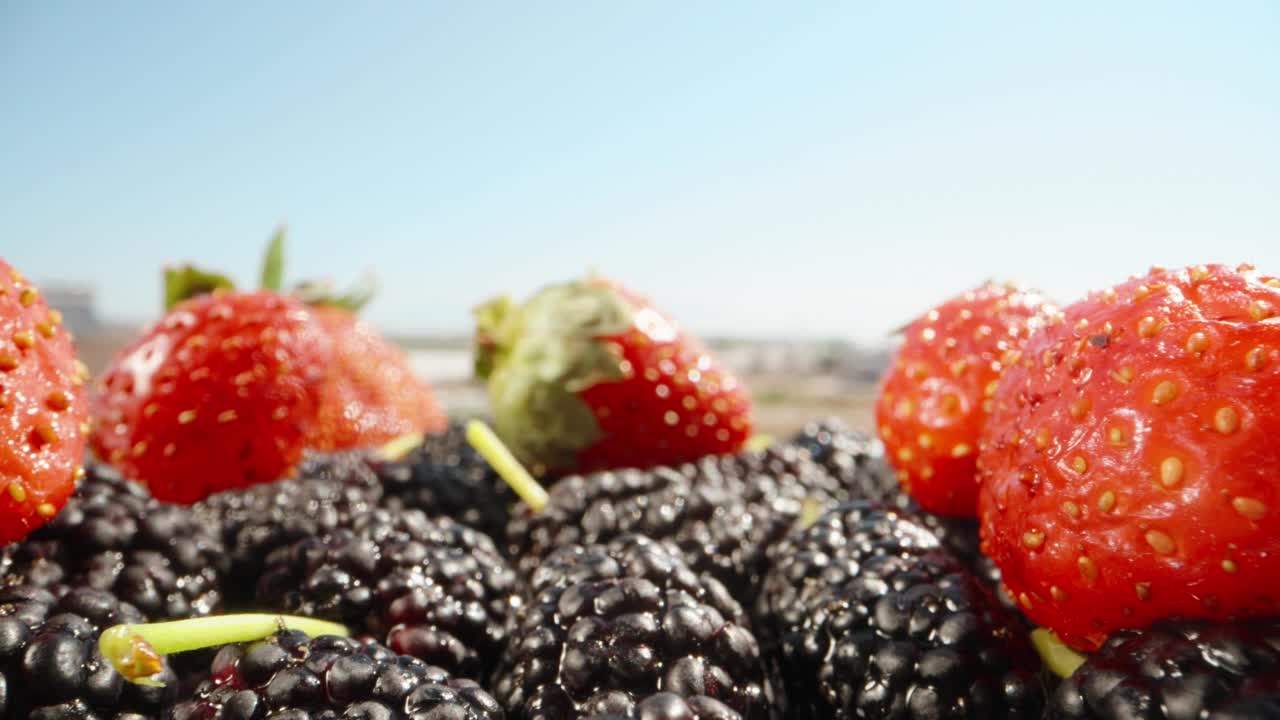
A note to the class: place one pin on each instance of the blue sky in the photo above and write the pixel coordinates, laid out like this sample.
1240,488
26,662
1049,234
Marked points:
825,169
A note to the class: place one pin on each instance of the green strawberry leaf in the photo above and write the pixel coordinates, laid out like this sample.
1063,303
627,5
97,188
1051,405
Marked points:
273,261
490,345
323,294
187,281
537,357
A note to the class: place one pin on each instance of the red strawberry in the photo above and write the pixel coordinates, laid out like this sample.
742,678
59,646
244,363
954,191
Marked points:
587,376
1130,464
934,398
372,394
43,410
219,394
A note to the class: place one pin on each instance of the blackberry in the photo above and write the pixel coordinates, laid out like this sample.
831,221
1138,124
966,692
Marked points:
864,614
446,476
327,492
606,626
960,537
670,706
50,665
856,460
1187,670
662,502
113,536
291,677
722,512
431,588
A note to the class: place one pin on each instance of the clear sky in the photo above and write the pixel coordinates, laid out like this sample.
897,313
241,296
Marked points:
818,169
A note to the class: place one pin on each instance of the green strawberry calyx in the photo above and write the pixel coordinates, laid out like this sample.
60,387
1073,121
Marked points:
183,282
536,358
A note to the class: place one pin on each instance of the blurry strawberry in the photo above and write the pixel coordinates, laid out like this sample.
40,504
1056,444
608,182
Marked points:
372,394
1130,463
587,375
43,410
934,397
220,393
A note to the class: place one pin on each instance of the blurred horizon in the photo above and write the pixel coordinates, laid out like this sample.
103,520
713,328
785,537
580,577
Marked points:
818,173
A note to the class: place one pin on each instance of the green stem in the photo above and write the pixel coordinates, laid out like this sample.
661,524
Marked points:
489,445
759,442
137,651
1060,659
810,512
399,447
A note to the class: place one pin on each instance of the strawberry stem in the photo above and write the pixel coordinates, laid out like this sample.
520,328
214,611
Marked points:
1060,659
491,447
758,442
399,447
137,651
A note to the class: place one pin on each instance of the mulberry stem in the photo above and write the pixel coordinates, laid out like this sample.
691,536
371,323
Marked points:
137,651
489,445
1060,659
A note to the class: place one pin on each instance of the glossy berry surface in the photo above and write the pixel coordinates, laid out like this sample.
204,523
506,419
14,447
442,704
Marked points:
219,394
446,476
934,397
291,676
112,536
854,459
670,706
431,588
43,409
607,626
722,512
50,665
1174,671
1129,464
866,615
329,491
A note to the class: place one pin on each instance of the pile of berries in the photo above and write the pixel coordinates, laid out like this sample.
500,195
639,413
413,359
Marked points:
265,470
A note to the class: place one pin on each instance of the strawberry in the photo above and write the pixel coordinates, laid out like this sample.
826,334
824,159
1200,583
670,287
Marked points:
43,409
228,389
220,393
372,394
1129,468
587,375
934,398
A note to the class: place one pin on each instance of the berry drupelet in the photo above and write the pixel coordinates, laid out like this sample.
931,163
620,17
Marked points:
722,512
291,677
606,626
1174,671
50,665
865,614
666,503
431,588
856,460
329,491
113,536
446,476
670,706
